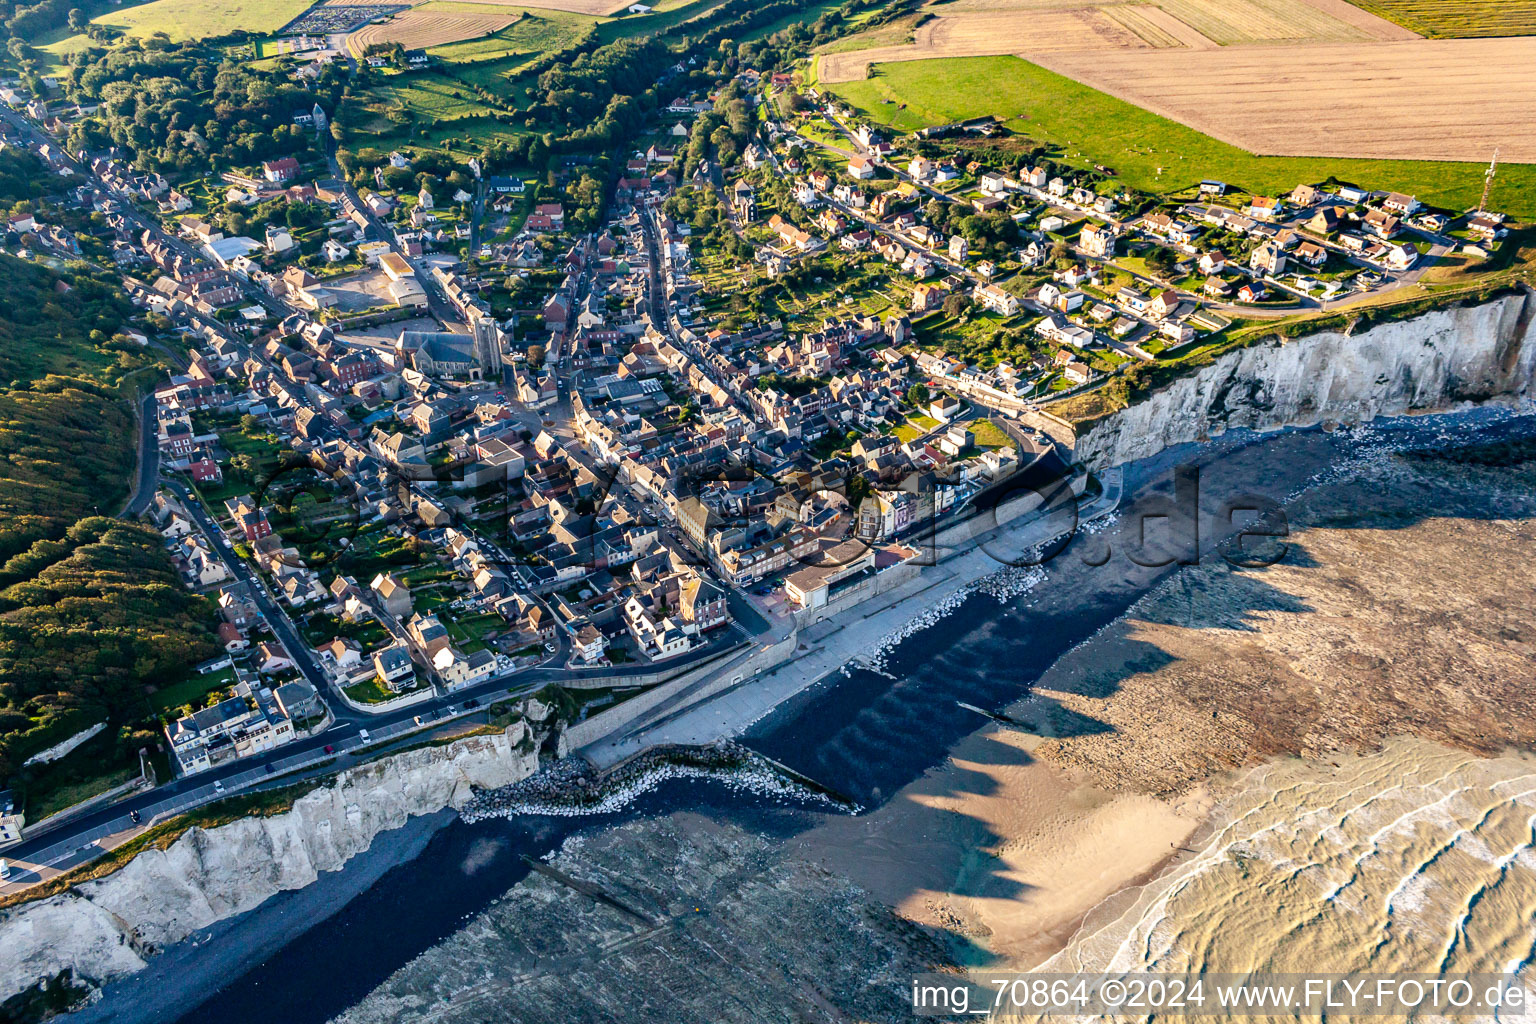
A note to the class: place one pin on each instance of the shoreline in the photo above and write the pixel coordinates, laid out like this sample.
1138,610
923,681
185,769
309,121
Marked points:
179,978
1020,884
1063,925
828,645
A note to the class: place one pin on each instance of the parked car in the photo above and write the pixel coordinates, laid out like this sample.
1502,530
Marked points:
218,785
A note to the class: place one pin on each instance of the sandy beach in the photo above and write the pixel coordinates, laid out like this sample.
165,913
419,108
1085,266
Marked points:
1362,694
1368,678
1006,853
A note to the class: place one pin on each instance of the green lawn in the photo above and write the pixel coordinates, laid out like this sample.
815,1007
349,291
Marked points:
190,690
428,97
915,427
1149,152
198,19
989,434
56,47
1458,17
371,691
665,15
470,631
804,16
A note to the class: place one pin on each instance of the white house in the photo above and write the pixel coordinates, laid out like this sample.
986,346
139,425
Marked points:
458,669
995,298
278,240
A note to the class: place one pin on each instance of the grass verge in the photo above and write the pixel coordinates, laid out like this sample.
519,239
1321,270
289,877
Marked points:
1150,153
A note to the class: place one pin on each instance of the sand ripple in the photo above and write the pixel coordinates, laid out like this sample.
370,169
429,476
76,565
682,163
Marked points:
1414,858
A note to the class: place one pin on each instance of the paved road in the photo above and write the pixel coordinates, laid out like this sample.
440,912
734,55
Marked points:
149,460
437,302
276,618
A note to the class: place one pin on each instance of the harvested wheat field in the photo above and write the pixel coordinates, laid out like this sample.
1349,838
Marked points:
423,27
1239,22
986,33
595,8
1230,22
1426,99
1026,28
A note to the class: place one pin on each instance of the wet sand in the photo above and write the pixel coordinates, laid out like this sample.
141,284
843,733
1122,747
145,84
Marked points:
1005,853
1134,749
1413,858
1299,756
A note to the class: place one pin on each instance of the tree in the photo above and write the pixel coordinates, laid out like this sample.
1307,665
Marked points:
917,394
955,304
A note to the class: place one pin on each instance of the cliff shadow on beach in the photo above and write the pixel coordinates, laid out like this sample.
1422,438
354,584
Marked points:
1366,628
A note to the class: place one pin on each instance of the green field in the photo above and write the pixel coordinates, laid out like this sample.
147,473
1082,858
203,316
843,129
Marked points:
536,32
56,47
805,15
198,19
664,15
433,102
191,690
1455,18
1149,152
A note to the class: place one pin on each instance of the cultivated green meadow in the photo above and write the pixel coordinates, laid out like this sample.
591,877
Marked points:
1148,152
536,32
197,19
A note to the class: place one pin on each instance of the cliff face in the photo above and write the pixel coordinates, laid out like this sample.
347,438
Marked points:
1429,363
107,928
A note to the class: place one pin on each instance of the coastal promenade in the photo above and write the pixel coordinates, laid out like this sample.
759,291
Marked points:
720,705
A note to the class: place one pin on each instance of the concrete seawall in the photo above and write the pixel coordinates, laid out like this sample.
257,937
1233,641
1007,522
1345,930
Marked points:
1431,363
740,690
696,684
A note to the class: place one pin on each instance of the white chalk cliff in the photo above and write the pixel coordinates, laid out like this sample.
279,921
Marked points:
1433,362
107,928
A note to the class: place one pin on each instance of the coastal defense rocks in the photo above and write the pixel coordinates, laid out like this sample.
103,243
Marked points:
107,928
1430,363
